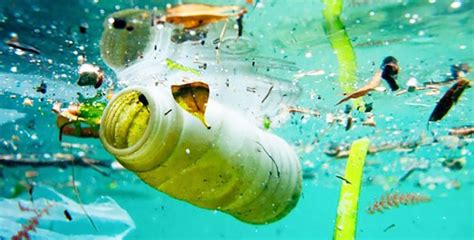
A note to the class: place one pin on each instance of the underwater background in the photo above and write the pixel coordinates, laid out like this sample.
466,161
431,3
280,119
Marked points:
427,37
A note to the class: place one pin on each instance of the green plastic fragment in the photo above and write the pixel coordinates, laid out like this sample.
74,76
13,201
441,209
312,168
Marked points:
342,46
267,123
17,190
91,112
172,65
346,218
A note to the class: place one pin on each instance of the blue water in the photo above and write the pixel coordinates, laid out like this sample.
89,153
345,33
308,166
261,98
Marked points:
426,36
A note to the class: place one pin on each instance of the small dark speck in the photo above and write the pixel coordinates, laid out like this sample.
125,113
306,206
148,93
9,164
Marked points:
67,215
389,227
344,179
119,23
83,28
167,112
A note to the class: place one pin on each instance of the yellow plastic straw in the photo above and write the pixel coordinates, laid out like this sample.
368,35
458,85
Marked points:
342,46
346,218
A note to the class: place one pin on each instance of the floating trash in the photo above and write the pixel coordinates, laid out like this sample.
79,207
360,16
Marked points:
47,217
235,113
90,75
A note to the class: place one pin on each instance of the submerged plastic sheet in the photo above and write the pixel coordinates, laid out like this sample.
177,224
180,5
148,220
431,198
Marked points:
111,220
238,77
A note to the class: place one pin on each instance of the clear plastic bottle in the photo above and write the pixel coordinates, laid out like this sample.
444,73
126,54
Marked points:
235,166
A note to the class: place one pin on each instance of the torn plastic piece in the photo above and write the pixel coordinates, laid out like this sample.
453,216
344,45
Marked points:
112,221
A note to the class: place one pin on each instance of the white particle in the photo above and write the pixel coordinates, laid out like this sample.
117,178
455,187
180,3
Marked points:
432,1
110,20
188,151
412,21
308,54
308,163
325,166
80,59
462,47
455,5
371,13
14,69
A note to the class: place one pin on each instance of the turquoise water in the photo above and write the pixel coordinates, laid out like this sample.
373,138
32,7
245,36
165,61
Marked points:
426,37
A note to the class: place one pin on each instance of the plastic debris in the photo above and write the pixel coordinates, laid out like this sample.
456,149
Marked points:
90,75
390,70
112,221
14,43
71,120
455,163
462,131
42,88
193,98
301,74
192,16
342,46
374,83
172,65
346,218
28,102
449,99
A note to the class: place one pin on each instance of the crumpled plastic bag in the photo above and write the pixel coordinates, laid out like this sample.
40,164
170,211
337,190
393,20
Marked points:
111,220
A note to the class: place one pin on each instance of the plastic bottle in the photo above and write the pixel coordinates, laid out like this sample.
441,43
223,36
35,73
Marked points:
233,167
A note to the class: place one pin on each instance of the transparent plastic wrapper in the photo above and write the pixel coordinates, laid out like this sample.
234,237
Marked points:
233,167
111,220
237,74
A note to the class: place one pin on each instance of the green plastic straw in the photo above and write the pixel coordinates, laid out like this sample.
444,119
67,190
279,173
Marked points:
342,46
346,218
